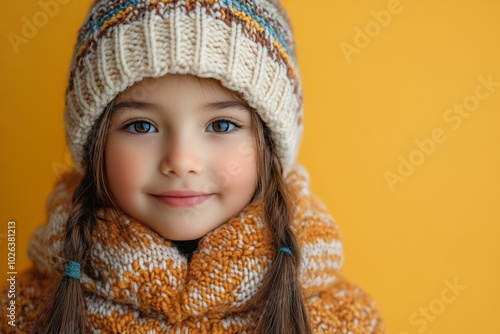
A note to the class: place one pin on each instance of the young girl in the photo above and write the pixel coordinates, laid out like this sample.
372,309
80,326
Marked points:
186,211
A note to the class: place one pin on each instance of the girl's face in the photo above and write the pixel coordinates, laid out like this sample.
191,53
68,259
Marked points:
180,155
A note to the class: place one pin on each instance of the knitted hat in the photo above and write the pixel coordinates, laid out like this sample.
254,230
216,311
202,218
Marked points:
245,44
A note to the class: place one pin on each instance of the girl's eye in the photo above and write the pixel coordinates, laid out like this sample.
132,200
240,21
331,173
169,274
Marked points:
222,125
141,127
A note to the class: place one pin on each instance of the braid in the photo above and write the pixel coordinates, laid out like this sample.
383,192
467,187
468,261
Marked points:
280,301
64,311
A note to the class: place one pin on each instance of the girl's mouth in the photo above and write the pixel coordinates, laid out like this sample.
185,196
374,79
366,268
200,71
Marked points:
183,201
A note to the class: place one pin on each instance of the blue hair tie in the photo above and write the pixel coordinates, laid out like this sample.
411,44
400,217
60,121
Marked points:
72,270
285,249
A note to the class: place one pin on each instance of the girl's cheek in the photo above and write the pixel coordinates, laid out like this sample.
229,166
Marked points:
124,163
238,170
248,149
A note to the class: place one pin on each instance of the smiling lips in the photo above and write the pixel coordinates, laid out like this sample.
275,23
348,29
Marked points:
182,198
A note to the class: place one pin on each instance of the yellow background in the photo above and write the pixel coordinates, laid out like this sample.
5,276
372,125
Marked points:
364,112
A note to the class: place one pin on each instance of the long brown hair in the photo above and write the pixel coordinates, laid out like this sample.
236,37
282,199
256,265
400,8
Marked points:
64,311
280,300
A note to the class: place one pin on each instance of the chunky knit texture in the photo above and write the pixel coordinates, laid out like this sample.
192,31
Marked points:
246,44
147,286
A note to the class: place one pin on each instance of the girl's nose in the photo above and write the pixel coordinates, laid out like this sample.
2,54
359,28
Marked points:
181,156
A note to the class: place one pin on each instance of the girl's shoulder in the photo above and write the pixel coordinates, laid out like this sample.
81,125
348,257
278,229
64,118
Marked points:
22,300
344,307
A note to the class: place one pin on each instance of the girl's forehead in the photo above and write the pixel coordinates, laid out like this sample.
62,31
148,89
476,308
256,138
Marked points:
177,85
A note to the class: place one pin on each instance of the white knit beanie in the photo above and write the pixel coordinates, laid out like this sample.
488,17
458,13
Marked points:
247,45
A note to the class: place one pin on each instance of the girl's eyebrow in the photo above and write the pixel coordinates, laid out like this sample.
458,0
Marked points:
213,106
132,105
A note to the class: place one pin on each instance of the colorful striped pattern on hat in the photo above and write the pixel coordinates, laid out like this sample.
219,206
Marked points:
259,23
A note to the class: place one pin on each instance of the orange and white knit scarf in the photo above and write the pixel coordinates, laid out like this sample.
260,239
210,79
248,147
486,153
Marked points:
147,285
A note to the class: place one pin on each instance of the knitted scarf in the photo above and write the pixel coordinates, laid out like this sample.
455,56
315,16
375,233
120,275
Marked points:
146,285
